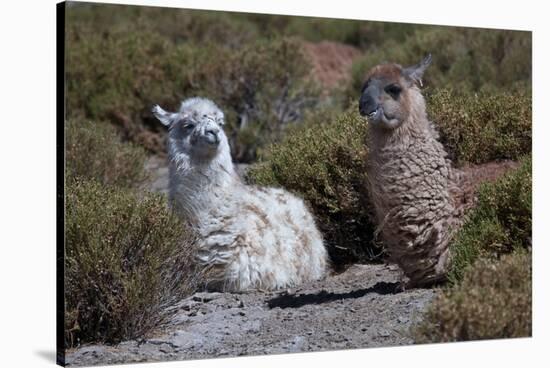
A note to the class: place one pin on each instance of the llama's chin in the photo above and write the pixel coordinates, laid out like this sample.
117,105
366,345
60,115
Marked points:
206,151
206,147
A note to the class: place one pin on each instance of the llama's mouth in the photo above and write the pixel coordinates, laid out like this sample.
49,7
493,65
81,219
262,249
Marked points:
377,116
380,118
372,115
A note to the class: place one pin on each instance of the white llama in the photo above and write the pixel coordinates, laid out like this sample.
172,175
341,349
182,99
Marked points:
249,237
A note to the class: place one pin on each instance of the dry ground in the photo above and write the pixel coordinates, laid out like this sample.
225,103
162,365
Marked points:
361,307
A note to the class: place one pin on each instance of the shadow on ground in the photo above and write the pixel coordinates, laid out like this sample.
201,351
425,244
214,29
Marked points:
297,301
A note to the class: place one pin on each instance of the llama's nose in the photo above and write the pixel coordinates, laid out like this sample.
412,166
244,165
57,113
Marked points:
369,103
211,135
367,106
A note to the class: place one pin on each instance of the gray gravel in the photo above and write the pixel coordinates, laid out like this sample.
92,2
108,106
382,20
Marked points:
362,307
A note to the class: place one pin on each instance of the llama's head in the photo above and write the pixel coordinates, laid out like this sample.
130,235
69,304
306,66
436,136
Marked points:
196,129
390,94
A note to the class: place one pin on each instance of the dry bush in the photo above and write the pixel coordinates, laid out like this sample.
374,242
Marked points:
466,59
127,258
95,151
263,88
493,301
116,75
499,224
482,127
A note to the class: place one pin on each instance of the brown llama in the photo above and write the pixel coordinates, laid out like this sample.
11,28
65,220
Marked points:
411,182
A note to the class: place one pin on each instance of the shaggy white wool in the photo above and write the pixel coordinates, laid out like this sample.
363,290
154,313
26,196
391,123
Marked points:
249,237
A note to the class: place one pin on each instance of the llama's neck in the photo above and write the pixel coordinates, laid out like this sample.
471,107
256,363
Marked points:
198,186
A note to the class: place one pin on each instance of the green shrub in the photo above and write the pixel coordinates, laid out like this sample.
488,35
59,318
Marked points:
323,162
466,59
94,151
499,224
361,34
178,25
484,126
493,301
229,29
126,258
264,88
117,75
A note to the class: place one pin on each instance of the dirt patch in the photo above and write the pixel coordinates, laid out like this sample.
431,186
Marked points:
361,307
156,167
331,62
488,172
474,175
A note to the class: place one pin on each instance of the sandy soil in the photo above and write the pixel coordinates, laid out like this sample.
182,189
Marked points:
331,62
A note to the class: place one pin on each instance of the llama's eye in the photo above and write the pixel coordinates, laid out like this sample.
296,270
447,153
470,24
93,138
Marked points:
393,89
188,126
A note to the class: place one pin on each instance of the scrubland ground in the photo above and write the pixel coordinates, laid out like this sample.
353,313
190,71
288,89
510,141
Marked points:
288,86
361,307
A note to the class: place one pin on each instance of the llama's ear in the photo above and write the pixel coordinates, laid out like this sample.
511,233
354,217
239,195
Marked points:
416,72
165,117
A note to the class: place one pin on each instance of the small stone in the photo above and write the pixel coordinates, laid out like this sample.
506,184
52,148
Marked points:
402,319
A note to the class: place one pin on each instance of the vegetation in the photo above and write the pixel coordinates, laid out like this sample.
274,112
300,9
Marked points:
500,223
94,151
126,258
493,301
489,294
252,65
262,85
482,127
233,29
361,34
465,59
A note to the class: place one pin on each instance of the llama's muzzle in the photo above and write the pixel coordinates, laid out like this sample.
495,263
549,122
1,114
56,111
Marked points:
211,136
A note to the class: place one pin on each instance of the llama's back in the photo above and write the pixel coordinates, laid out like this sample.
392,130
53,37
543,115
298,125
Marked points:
271,241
